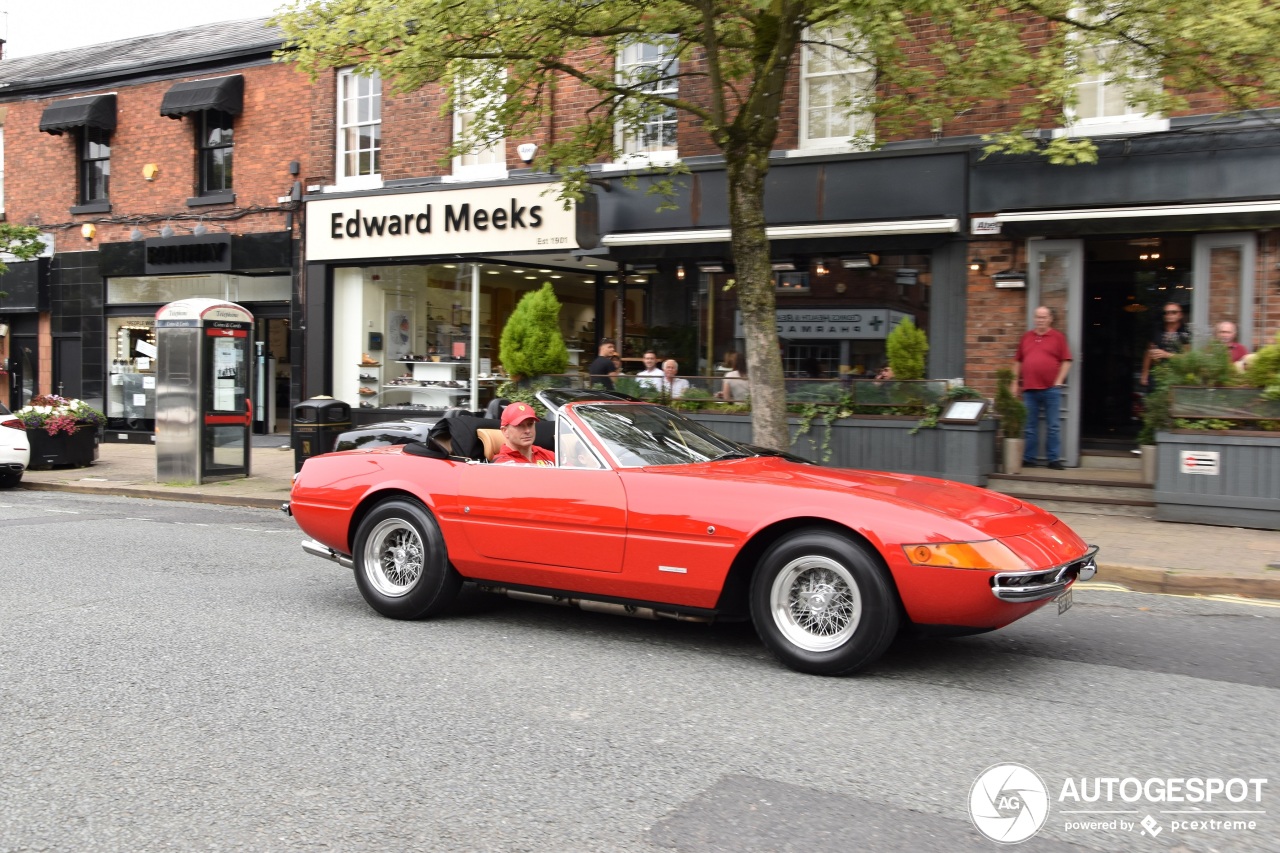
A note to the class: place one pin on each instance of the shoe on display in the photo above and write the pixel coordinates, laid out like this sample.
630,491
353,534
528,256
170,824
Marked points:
368,377
365,405
366,391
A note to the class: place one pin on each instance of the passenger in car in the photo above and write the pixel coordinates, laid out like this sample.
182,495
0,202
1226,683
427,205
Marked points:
519,424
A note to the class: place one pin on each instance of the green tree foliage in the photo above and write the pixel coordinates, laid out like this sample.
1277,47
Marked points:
20,241
932,60
531,342
907,347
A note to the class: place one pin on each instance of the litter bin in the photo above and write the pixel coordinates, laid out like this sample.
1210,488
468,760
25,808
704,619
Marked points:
316,425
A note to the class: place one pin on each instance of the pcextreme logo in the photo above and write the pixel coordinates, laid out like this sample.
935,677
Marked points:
1010,803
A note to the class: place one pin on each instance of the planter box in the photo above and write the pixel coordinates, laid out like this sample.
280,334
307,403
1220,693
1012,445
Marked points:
961,452
78,449
1240,487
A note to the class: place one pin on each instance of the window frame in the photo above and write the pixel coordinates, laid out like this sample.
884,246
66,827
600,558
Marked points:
206,152
629,152
1132,120
88,137
462,170
804,140
346,78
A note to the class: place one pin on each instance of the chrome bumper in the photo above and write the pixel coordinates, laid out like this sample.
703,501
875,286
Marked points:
1044,583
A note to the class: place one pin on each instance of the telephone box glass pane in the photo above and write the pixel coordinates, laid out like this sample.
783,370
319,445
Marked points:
230,374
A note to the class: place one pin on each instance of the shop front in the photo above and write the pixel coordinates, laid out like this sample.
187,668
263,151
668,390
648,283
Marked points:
408,292
1188,220
143,276
26,288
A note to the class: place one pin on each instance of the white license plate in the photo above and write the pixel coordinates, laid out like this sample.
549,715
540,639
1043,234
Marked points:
1064,602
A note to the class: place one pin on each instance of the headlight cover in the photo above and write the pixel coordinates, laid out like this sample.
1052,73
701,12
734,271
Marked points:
988,555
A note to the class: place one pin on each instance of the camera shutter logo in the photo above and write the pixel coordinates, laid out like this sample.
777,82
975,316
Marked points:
1008,803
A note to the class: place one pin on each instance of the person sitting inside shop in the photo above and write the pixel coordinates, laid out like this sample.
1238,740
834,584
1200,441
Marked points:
519,424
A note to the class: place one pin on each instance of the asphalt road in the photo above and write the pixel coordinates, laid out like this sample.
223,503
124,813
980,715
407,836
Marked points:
183,677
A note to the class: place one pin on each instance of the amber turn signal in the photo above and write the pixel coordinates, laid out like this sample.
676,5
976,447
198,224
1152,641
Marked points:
987,555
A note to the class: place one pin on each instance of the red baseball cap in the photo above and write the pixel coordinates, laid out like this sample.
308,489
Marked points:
518,413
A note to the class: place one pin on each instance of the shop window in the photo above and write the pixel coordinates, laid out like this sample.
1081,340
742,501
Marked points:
95,165
647,130
791,282
471,112
216,148
836,85
359,127
131,380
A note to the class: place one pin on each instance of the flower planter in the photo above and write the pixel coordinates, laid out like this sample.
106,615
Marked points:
961,452
78,449
1231,478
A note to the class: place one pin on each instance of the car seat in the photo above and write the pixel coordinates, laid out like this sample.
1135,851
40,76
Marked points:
492,441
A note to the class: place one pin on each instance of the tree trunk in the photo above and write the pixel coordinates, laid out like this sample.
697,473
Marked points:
754,281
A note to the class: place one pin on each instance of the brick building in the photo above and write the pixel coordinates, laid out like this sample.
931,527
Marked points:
158,168
1178,207
410,253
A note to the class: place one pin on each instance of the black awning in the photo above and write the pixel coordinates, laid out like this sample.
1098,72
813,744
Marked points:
219,93
94,111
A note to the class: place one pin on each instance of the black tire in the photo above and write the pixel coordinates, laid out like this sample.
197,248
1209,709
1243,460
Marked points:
823,603
9,479
401,563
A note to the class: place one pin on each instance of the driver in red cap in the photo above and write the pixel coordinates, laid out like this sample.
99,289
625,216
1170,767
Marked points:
519,421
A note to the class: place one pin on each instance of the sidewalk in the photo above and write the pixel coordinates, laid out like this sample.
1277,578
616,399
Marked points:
1138,553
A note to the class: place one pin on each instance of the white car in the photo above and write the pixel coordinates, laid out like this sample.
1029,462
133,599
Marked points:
15,449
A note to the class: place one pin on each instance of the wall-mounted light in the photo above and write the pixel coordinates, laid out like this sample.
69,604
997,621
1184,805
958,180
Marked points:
167,230
150,171
906,276
200,230
88,230
820,267
136,234
860,261
680,271
1010,278
644,269
783,264
977,265
710,266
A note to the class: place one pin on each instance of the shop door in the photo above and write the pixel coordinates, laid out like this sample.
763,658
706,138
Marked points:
226,402
23,370
1222,267
1055,278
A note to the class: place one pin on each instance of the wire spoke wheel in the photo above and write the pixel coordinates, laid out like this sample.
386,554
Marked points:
824,602
816,603
394,557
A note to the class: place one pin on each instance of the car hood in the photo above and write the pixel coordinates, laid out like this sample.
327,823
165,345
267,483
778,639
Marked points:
981,508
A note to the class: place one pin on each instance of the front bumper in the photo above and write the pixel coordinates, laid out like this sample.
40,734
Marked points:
1044,583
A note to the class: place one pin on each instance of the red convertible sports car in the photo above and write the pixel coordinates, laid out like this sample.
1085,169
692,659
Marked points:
648,513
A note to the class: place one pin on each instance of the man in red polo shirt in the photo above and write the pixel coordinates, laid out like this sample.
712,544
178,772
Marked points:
1041,363
519,422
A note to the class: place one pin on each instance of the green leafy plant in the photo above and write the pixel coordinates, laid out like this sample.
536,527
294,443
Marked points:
531,343
1011,410
22,242
907,347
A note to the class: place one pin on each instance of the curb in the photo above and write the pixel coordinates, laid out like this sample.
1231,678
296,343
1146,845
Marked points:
1183,582
188,497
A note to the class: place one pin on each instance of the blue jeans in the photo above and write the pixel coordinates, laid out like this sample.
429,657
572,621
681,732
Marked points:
1049,401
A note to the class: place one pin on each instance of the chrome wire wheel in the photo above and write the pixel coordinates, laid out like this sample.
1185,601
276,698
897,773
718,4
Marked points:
394,557
815,603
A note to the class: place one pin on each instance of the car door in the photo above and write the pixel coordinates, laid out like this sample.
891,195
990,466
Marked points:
551,516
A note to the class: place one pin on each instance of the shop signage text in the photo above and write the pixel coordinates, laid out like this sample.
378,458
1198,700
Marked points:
480,220
833,323
456,218
188,254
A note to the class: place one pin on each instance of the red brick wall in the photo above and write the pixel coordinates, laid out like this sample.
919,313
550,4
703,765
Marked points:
41,170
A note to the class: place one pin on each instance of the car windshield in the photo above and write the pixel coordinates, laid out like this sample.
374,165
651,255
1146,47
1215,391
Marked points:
638,435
